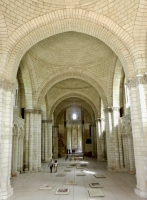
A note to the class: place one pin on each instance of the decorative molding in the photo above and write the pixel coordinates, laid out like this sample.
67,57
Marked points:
139,79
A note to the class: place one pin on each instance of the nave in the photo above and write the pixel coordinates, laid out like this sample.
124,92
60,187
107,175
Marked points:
117,185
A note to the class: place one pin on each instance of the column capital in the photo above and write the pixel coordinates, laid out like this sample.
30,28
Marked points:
139,79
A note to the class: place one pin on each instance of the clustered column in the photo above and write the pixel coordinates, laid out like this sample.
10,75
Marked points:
55,142
100,140
6,117
112,117
46,141
33,140
69,137
94,144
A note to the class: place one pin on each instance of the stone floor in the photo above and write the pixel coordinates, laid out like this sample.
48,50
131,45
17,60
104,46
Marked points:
117,185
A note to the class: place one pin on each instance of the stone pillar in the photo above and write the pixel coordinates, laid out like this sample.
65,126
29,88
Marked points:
115,122
131,154
120,144
21,154
108,123
39,140
15,155
6,120
26,141
138,105
43,141
33,139
103,139
55,142
31,142
69,137
99,134
79,138
125,151
50,154
111,119
93,138
46,139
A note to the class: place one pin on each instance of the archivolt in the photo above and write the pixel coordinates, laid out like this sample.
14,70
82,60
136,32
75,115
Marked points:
78,95
60,21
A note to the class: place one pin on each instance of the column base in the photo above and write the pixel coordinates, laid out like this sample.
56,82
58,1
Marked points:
6,194
140,193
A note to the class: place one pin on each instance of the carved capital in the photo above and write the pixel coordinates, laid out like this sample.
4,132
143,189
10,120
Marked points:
139,79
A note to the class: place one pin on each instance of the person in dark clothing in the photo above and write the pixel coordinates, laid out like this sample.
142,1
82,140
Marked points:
51,165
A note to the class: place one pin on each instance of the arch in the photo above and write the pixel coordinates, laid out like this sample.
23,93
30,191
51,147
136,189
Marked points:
78,95
88,22
67,74
60,112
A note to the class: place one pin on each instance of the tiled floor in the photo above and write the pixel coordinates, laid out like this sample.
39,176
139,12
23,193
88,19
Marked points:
117,185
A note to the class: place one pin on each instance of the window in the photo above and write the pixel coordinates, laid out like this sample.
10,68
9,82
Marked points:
74,116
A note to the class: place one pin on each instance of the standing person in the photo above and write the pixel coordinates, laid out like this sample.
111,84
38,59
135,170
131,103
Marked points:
51,165
55,165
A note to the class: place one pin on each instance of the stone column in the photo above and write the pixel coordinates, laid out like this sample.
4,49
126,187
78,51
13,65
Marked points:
69,137
6,119
131,154
33,132
15,155
125,151
120,144
79,138
103,139
99,134
46,139
21,154
39,140
31,142
43,141
93,140
108,123
138,105
26,141
50,154
115,122
55,142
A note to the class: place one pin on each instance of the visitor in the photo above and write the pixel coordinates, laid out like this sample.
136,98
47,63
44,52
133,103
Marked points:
51,165
55,165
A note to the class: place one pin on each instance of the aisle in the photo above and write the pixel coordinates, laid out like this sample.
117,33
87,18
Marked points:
117,185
